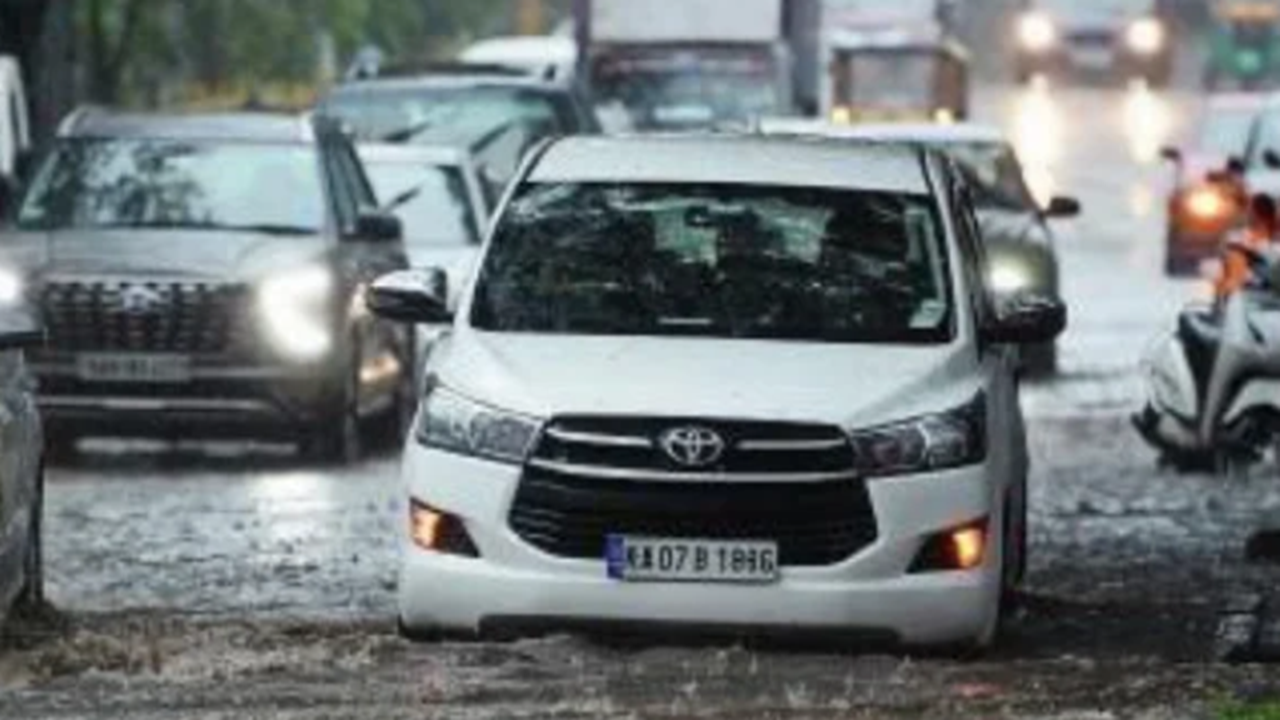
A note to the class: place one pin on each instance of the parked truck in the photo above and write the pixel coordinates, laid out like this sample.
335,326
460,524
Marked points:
695,64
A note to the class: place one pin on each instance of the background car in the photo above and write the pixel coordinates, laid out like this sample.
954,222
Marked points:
444,203
455,104
1119,38
201,273
21,468
686,410
1205,200
1015,227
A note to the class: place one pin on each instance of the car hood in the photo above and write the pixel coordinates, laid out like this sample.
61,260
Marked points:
850,385
198,255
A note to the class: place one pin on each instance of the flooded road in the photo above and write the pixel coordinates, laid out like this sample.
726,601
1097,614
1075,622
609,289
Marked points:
243,585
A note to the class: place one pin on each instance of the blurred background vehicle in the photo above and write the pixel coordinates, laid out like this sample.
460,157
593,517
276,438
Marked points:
499,112
697,63
1120,39
201,273
1021,244
1244,44
22,577
1207,194
444,204
547,56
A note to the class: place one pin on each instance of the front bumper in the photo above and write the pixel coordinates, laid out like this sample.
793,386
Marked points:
1115,60
235,401
514,584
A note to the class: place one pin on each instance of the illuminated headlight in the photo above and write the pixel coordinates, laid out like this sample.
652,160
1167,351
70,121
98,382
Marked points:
1037,33
11,287
938,442
293,308
1207,203
1008,278
1145,36
451,422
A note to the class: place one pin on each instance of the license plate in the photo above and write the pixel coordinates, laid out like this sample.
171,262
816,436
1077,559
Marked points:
635,559
1093,58
136,368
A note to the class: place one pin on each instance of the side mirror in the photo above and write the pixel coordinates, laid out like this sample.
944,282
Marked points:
379,227
1062,207
1172,154
1271,158
1027,319
418,297
1235,166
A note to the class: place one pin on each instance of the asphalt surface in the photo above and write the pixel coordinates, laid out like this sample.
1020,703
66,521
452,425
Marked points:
232,582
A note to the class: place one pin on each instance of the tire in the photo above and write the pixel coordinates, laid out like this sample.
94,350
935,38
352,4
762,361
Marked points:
337,438
31,598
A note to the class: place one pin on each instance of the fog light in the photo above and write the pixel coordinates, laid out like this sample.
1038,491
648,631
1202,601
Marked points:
959,549
440,532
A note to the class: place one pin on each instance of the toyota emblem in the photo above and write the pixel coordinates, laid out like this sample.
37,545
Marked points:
692,447
137,300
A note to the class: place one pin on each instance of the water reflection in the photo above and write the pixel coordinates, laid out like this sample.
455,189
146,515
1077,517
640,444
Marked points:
1148,123
1037,135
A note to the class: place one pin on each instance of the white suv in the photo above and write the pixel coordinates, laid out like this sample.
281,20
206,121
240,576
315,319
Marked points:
728,383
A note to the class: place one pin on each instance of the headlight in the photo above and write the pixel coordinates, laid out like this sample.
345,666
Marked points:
937,442
11,287
1007,277
453,423
294,310
1037,33
1145,36
1207,203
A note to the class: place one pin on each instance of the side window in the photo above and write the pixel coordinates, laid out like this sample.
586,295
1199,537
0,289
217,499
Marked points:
345,207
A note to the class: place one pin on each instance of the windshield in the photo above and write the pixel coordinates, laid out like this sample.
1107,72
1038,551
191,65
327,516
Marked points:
888,80
995,174
689,90
723,261
177,184
431,201
1226,132
424,115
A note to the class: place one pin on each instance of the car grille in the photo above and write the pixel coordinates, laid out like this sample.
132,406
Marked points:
189,318
591,477
1093,38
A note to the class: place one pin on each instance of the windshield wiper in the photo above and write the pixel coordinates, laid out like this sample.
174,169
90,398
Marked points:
261,228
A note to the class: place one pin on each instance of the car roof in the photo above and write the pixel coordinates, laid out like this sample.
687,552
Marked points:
926,133
522,49
407,153
734,158
231,127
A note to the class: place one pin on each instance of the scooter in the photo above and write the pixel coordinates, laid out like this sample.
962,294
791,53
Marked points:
1213,385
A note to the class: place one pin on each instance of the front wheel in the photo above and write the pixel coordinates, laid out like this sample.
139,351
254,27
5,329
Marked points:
31,598
336,438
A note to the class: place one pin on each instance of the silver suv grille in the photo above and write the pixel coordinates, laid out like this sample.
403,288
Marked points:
177,317
591,477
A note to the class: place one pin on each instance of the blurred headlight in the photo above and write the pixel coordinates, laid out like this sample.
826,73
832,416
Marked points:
841,115
937,442
1036,32
293,308
1207,203
1008,278
1145,36
12,287
453,423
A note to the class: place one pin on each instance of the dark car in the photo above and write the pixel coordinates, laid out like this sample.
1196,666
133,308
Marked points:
1015,226
499,113
206,273
1119,38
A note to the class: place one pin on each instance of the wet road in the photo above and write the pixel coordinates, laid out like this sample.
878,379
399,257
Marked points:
198,585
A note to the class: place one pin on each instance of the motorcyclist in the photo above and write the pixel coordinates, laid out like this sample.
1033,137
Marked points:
1260,231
